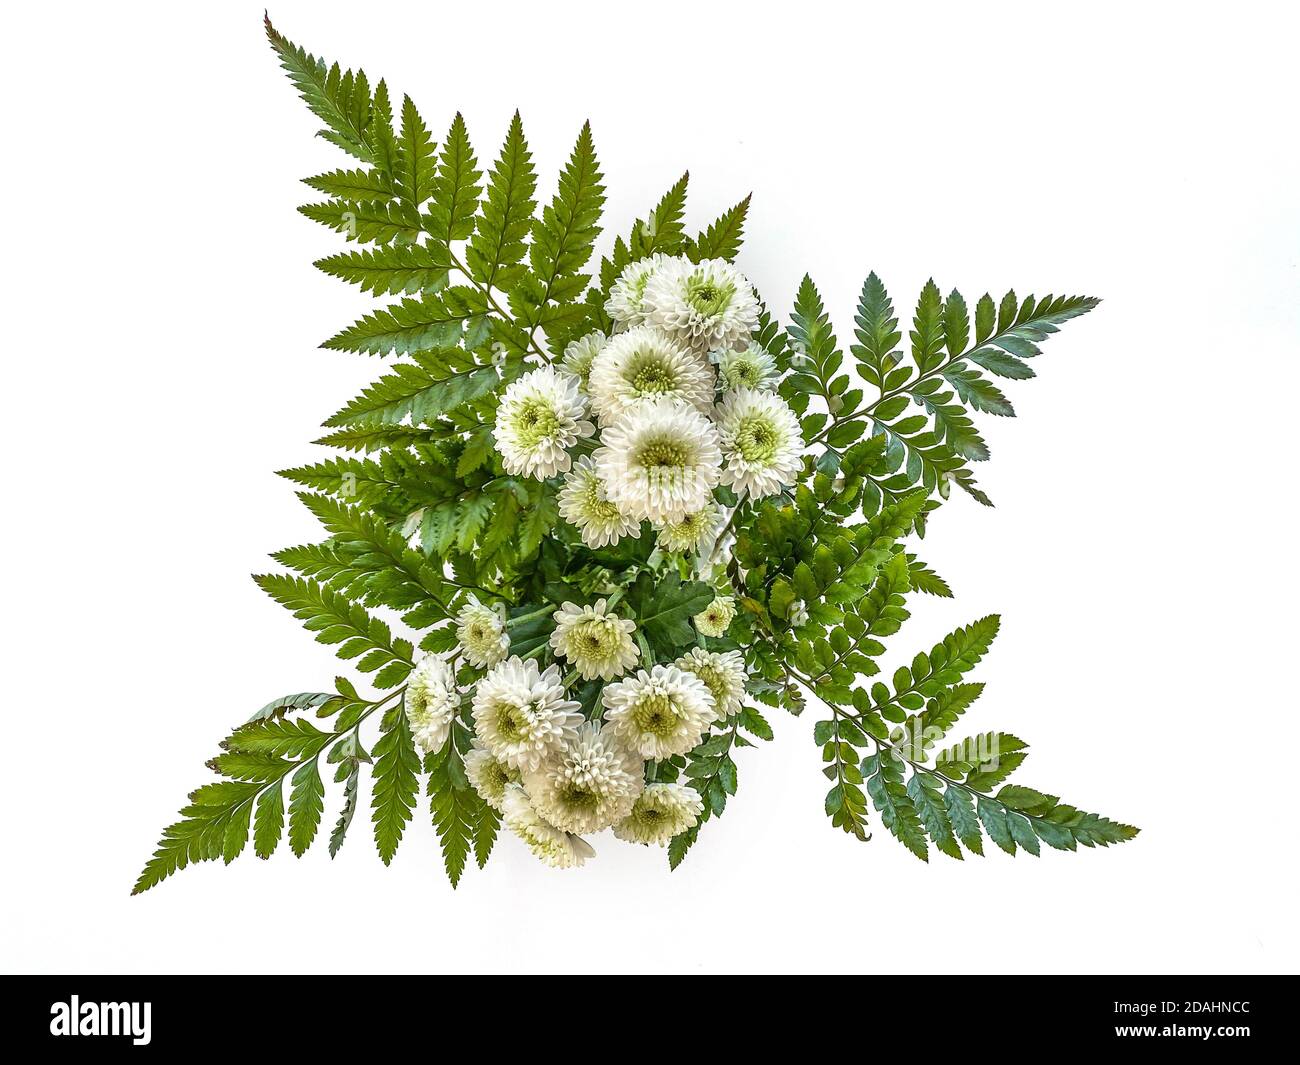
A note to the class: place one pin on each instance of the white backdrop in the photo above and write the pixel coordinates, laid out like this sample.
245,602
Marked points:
1142,551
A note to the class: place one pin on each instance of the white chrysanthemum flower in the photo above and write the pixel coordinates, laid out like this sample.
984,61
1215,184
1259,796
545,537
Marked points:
659,713
431,702
660,460
596,643
662,811
751,367
723,674
644,364
716,618
578,356
695,532
761,440
585,503
521,715
541,416
489,775
591,784
624,303
558,849
481,634
707,306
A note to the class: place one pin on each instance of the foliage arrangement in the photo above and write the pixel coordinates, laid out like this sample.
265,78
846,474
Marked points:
620,515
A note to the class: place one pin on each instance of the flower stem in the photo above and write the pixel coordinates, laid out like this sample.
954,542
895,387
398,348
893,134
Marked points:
515,622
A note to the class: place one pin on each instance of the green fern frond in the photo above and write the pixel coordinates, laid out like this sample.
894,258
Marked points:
496,249
723,238
339,98
431,322
396,268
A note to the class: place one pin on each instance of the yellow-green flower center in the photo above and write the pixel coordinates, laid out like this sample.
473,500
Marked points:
577,797
655,714
534,422
589,639
595,506
689,529
649,376
512,722
756,440
663,451
707,296
714,680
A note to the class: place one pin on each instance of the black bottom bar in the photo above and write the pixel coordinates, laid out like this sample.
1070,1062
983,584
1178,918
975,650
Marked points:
1212,1014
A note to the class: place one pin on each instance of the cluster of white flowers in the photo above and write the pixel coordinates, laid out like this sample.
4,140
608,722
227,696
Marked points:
554,773
684,399
645,424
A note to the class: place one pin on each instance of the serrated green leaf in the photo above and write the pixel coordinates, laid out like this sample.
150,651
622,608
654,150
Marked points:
306,802
395,783
499,241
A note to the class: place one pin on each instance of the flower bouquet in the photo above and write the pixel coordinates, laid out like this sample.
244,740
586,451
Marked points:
620,514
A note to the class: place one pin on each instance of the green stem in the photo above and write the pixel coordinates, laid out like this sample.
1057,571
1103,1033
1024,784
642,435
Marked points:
325,740
885,745
491,301
515,622
471,587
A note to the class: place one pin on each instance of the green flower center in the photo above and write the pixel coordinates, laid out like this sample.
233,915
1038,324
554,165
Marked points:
706,296
648,815
690,527
590,639
577,797
757,440
713,680
512,722
745,373
534,422
649,376
663,451
595,506
655,714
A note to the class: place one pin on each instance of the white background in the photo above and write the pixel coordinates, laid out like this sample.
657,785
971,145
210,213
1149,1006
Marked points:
162,317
